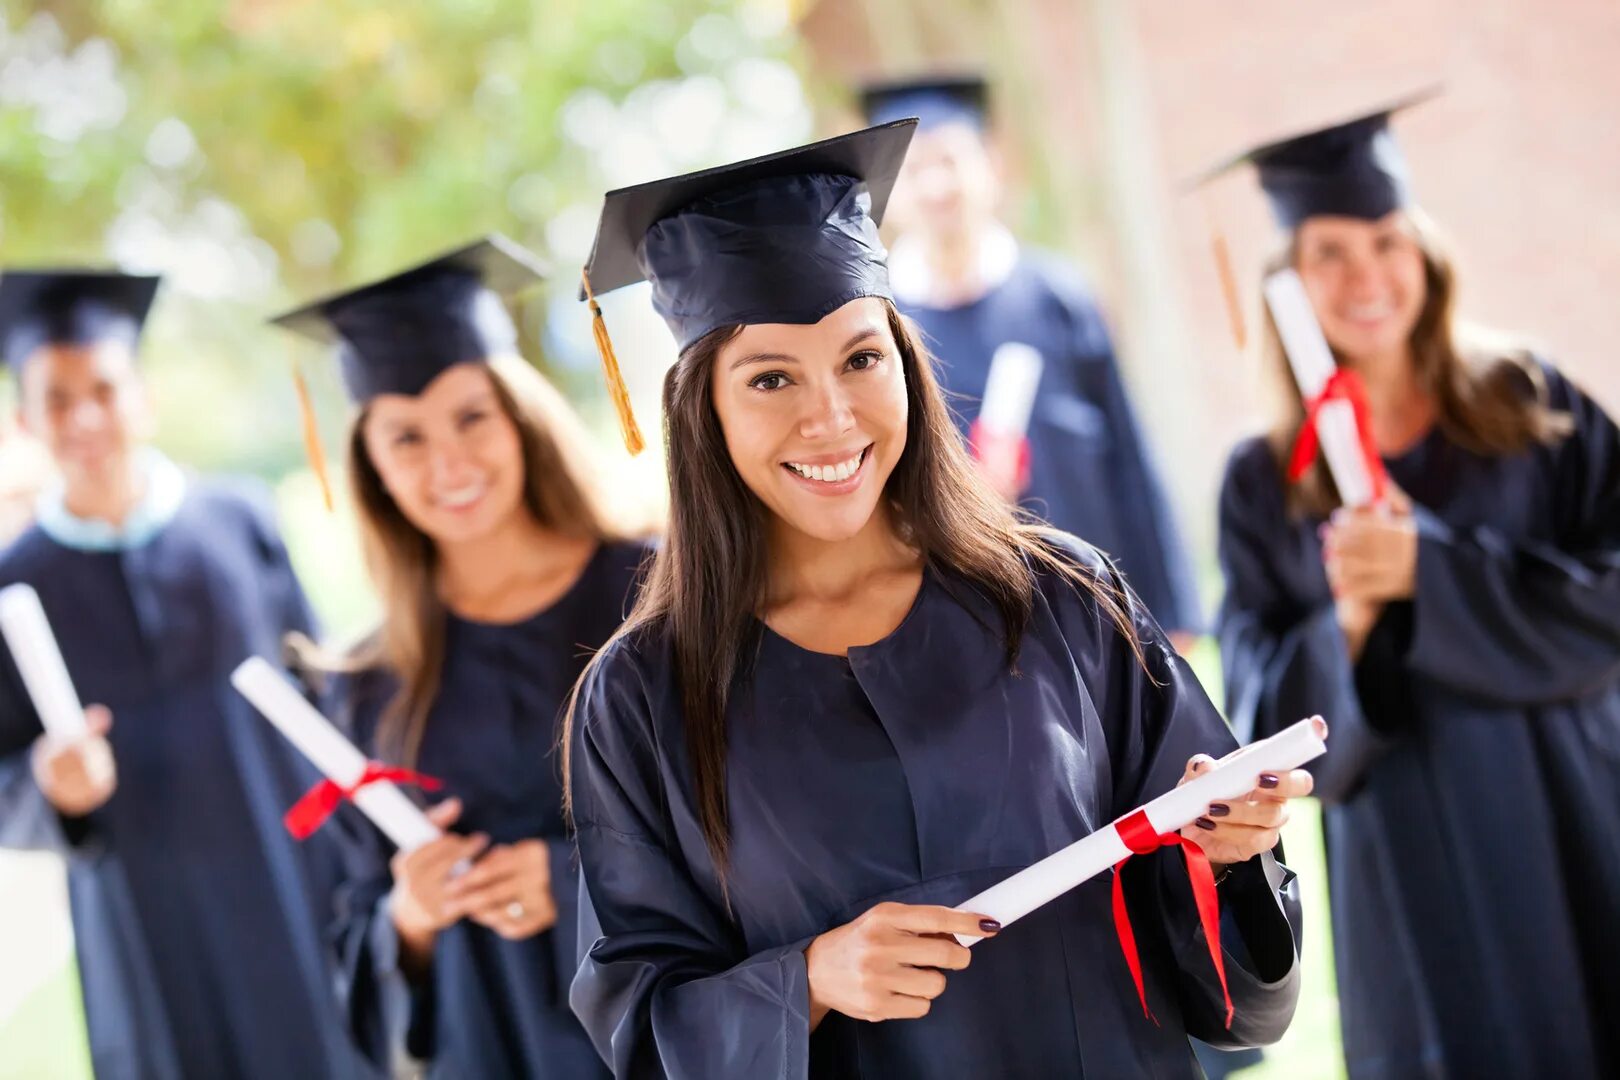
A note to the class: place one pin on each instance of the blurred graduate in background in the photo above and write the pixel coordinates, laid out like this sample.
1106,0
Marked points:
501,565
198,921
1005,321
1462,636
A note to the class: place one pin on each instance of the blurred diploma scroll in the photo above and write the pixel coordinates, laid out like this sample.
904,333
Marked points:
33,647
1000,435
1313,365
274,695
1233,776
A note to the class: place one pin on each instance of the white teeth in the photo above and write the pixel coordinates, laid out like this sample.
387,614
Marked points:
461,497
829,474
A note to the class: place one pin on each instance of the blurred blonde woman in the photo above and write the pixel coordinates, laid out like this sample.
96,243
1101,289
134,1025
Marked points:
500,568
1463,640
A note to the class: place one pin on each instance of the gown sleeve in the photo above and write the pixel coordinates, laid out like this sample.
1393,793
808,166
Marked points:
1156,716
1525,623
667,988
1285,658
1158,565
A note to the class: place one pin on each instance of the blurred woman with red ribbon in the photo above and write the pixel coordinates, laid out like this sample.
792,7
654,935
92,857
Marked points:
1461,633
500,567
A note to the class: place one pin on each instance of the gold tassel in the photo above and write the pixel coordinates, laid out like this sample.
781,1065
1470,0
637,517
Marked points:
633,441
312,437
1229,284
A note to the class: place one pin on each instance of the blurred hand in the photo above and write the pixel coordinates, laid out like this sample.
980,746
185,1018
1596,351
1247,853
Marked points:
889,963
1357,619
1003,461
1238,830
420,904
77,775
509,891
1183,641
1370,553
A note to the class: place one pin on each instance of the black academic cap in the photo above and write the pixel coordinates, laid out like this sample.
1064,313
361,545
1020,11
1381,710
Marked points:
70,307
784,238
1353,168
934,100
396,335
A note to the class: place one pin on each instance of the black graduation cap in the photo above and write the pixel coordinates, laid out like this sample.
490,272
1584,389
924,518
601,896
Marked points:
785,238
1353,168
70,307
934,100
396,335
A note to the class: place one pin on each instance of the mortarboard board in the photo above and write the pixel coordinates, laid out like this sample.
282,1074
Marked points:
398,334
1352,168
936,100
70,307
784,238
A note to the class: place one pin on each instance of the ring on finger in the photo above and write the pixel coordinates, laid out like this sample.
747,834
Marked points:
514,910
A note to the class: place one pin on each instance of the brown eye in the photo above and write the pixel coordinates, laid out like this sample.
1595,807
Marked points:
769,381
865,361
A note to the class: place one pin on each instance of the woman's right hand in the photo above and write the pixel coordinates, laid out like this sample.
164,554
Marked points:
419,903
889,964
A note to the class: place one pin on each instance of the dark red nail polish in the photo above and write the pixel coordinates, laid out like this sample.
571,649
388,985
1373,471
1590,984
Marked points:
989,926
1269,780
1204,823
1219,809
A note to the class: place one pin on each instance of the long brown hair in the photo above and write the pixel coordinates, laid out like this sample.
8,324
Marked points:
560,491
1489,393
709,578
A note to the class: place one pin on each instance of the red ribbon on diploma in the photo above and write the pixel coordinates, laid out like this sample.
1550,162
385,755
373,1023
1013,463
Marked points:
1343,385
1137,832
999,451
321,801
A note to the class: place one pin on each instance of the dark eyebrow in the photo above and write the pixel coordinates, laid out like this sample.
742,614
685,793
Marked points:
781,358
763,358
864,335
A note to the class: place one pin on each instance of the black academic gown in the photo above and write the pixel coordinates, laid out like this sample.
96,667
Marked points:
916,770
490,1007
1473,772
198,921
1090,472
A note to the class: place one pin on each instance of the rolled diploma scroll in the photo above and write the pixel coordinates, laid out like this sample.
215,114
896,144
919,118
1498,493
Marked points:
1233,776
1312,361
1009,391
279,700
33,647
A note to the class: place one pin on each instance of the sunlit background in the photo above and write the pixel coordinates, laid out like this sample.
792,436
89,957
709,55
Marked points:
258,152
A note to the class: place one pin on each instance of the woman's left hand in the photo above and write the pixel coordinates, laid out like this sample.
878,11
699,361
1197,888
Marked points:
1371,553
1238,830
508,890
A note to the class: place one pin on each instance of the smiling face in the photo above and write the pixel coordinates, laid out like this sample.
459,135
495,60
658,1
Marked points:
814,417
450,457
948,186
86,403
1365,279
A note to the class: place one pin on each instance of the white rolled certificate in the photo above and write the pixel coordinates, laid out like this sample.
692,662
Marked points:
274,695
1313,365
1233,776
1009,391
44,673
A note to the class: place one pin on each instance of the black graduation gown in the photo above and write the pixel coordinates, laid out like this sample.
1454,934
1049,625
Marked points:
918,770
1090,472
1473,773
198,920
491,1007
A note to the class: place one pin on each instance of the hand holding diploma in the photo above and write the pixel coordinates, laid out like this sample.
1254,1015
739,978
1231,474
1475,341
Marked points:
421,903
76,773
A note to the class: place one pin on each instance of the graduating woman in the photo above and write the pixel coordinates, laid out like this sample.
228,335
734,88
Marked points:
856,690
1463,639
500,571
196,918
